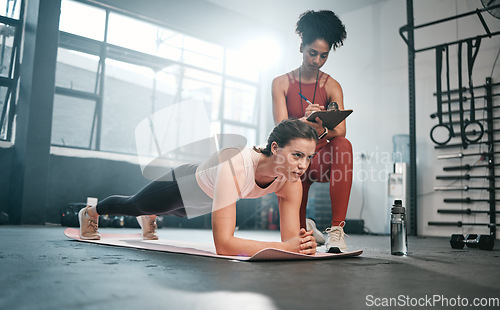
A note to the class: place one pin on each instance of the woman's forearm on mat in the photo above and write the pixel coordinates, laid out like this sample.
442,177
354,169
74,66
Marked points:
246,247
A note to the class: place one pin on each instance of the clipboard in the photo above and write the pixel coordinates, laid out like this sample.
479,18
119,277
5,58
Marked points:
330,118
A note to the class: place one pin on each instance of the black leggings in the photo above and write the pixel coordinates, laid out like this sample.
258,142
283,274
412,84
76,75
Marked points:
160,197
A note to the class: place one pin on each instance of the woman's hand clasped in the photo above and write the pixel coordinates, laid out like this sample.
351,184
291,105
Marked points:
308,242
304,243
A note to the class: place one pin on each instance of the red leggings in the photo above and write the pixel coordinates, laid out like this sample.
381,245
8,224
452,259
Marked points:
332,164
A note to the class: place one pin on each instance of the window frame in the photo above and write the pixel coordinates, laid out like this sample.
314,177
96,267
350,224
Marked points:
105,50
7,113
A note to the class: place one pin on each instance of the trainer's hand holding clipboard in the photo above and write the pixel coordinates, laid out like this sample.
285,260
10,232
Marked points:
329,118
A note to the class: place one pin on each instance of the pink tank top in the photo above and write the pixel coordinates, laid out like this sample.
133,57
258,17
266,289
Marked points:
206,176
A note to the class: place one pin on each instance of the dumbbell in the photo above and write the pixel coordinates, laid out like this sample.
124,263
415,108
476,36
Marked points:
483,242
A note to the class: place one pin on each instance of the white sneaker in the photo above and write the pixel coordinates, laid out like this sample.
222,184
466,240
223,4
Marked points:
318,235
336,238
149,227
88,225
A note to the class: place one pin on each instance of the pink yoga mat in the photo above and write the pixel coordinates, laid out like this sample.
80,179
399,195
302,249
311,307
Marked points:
201,249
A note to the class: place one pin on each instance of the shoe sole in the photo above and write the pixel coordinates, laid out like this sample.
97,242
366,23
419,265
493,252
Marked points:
335,248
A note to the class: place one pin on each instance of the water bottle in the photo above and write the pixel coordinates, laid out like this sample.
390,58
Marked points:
399,243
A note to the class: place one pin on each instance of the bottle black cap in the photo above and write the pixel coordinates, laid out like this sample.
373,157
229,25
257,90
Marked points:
397,207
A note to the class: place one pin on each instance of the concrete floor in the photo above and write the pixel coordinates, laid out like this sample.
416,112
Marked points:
41,269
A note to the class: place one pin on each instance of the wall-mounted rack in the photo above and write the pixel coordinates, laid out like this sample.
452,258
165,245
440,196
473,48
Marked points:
471,130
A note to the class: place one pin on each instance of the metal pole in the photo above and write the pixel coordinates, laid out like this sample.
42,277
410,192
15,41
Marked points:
412,206
491,159
100,102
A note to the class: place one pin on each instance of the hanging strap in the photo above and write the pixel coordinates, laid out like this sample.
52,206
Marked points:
471,58
448,90
439,67
461,97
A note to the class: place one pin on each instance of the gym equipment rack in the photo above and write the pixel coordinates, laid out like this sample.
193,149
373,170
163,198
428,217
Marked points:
464,133
489,156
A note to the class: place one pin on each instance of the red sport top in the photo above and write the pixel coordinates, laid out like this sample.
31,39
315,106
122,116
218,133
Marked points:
295,105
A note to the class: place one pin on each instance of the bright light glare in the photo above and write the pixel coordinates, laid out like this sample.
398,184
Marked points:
75,18
10,8
262,52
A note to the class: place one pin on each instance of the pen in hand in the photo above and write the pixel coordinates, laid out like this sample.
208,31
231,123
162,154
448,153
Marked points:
304,97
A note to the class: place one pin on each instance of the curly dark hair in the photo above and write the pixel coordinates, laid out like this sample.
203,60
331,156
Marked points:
286,131
321,25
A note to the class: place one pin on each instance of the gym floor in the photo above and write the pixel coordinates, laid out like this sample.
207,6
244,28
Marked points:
41,269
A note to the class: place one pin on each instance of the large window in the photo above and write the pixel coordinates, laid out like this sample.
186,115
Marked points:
119,70
10,38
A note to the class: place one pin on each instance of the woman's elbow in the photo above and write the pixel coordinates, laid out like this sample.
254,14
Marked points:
220,250
229,247
223,247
